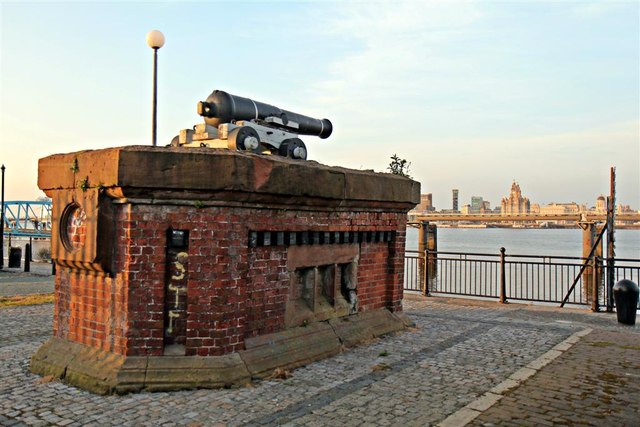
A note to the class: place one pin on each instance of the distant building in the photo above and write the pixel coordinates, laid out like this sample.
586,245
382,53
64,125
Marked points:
477,204
486,207
515,204
426,203
455,199
562,208
601,205
466,210
535,208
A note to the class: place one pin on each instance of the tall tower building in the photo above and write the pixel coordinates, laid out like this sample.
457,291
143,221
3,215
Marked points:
455,199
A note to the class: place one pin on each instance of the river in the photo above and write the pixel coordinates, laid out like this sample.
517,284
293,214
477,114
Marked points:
522,241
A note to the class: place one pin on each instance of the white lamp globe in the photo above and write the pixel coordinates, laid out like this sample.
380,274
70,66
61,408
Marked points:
155,39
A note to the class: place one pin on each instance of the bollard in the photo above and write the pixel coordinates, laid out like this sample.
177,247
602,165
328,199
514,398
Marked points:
27,258
625,293
503,280
15,257
53,267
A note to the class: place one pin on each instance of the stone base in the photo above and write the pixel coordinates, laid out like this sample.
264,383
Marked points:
103,372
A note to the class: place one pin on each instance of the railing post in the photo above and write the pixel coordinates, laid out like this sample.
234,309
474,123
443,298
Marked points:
426,272
503,280
609,284
595,283
422,247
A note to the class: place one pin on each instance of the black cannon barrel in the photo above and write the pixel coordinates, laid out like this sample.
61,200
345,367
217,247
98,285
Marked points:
222,107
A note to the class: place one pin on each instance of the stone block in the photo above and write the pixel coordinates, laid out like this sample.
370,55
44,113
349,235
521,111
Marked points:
180,372
289,349
53,357
152,172
362,327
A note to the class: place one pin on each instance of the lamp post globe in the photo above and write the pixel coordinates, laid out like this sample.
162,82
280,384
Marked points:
155,40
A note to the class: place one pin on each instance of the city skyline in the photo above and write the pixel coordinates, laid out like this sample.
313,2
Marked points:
473,94
426,199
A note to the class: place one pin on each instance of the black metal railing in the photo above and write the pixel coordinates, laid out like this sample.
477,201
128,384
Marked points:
535,278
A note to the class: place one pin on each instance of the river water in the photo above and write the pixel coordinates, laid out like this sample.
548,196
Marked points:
519,241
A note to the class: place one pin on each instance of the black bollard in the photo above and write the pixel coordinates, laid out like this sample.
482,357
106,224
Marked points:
625,293
53,267
15,257
27,258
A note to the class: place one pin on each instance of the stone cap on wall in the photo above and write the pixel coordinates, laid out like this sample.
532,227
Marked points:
210,175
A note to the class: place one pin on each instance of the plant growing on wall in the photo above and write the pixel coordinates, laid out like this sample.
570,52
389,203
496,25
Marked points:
399,166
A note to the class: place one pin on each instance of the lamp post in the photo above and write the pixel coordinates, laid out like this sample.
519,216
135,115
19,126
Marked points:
2,223
155,40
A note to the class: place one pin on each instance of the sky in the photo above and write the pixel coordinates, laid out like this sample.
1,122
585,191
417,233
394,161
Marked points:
474,94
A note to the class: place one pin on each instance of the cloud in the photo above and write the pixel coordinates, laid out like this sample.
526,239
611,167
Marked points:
397,46
594,9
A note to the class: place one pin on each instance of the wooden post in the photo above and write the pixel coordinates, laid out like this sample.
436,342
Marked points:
503,279
611,252
592,276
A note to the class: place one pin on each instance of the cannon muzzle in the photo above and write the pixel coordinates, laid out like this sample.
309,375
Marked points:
222,107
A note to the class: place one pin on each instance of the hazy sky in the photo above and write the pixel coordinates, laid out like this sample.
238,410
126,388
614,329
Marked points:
474,94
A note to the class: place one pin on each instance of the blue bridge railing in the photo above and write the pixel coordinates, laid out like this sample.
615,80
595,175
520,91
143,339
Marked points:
27,218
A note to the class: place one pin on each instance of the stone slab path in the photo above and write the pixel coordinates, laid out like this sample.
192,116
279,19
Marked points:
465,362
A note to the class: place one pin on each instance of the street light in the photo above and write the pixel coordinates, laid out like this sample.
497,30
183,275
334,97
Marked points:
155,40
2,223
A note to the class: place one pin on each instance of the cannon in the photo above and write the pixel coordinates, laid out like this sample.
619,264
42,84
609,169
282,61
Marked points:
243,124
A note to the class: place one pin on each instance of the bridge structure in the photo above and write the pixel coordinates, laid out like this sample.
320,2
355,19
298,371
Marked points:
632,217
27,218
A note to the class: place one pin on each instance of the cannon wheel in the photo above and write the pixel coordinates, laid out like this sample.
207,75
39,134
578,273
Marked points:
238,137
293,148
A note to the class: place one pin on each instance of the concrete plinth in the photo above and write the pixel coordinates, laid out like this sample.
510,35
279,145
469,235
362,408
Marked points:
182,268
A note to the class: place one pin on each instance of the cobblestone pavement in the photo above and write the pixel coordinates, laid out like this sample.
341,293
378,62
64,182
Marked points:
455,355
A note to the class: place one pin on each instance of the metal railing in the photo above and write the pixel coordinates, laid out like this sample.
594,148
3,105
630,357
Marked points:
535,278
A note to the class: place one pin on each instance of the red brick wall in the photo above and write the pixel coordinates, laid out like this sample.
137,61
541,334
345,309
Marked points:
90,309
234,291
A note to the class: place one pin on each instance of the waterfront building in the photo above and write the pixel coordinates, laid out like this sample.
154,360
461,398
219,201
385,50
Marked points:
515,203
624,209
455,199
601,205
466,210
562,208
426,203
477,204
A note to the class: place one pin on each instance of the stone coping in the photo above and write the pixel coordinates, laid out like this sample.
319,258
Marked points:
213,174
103,372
